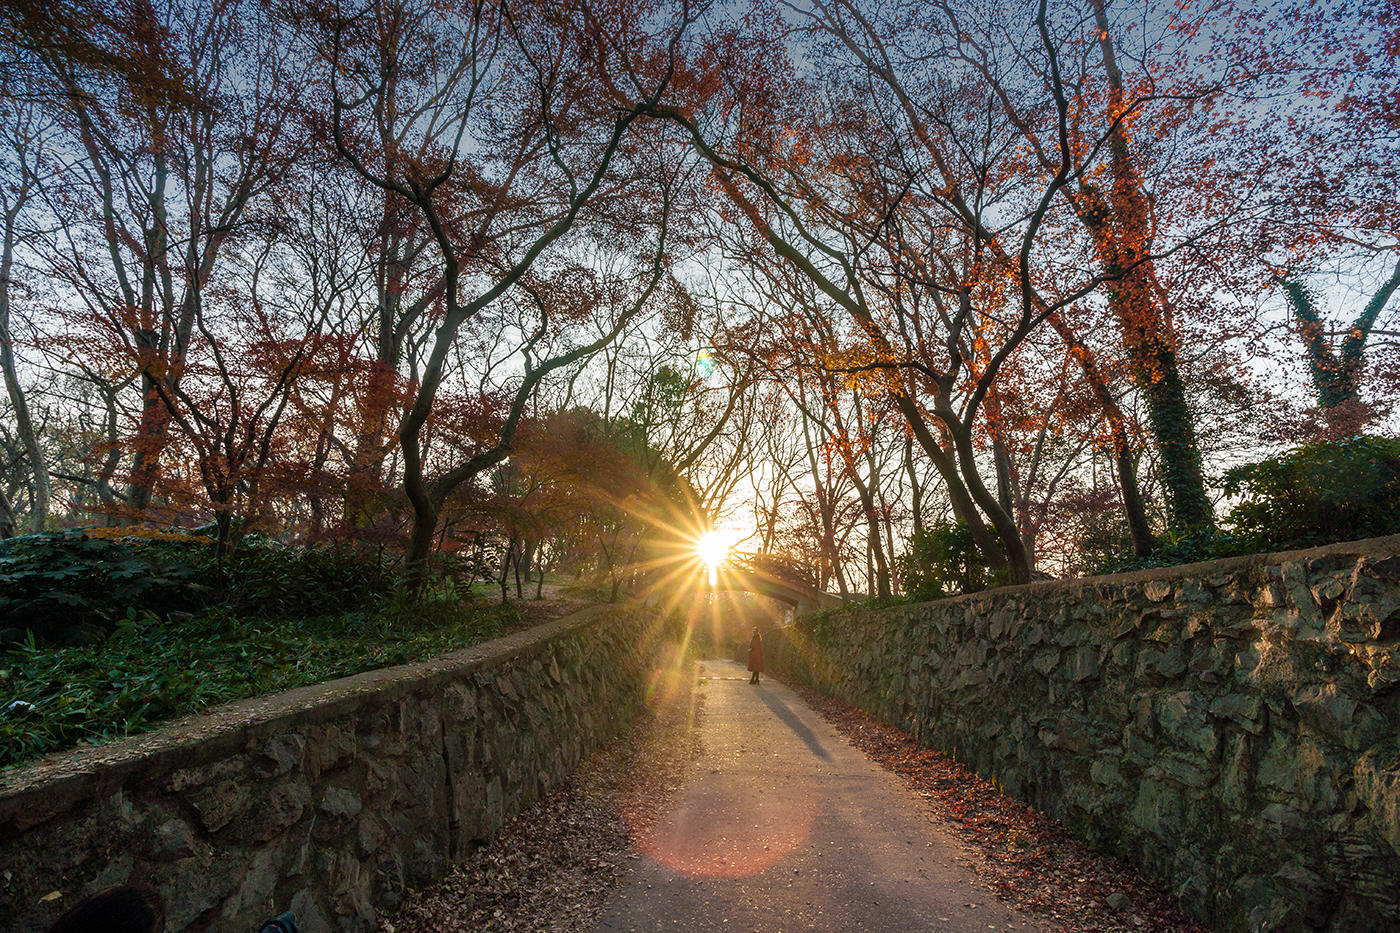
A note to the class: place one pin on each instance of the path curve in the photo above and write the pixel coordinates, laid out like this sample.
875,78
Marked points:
784,826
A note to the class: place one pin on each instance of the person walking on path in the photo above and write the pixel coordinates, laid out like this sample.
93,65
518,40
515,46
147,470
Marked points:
756,656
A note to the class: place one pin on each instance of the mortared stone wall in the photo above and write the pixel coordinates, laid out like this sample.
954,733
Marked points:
328,800
1233,727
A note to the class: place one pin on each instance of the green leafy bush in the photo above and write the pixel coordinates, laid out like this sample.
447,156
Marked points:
151,669
71,586
299,581
1099,535
943,560
1172,549
1318,493
66,585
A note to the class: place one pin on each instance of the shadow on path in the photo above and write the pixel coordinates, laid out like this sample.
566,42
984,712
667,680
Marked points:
784,827
790,719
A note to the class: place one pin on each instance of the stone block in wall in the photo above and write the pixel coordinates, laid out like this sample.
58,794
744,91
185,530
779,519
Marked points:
1244,710
191,888
1326,710
1044,662
1184,723
1377,782
1212,660
1082,664
1235,731
279,755
1160,663
328,746
330,800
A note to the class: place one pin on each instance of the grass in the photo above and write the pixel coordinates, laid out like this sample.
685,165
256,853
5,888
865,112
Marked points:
149,671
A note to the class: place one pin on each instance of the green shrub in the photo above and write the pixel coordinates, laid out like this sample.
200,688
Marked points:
1099,535
151,669
1171,549
1319,493
300,581
66,585
943,560
70,586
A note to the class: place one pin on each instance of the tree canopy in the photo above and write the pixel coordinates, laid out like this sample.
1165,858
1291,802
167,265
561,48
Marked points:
1024,289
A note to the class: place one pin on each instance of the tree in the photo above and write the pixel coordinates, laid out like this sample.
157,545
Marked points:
503,125
949,302
160,169
25,134
1336,368
852,445
610,503
1351,214
1110,198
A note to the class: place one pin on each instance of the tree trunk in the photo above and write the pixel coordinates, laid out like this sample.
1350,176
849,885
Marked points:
223,523
150,439
964,508
1183,478
507,559
915,492
1133,509
880,568
1138,526
1014,561
24,424
7,516
1336,376
1121,230
367,462
420,544
1002,462
522,557
840,574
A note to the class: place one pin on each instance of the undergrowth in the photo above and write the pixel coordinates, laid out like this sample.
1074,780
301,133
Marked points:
150,670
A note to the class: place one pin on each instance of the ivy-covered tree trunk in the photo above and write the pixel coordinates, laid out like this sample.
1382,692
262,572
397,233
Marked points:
1119,222
1174,430
1336,371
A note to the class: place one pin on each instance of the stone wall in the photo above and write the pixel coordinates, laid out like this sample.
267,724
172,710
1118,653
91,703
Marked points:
1233,727
330,800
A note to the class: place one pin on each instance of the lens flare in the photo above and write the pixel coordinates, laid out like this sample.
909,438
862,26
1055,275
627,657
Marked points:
755,835
704,364
712,549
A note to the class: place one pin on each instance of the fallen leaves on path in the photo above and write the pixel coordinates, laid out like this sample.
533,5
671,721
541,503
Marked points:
553,866
1029,859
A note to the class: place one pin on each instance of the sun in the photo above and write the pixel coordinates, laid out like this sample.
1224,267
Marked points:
712,549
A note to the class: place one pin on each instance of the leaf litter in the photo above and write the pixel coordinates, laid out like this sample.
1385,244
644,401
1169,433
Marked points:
553,867
1028,859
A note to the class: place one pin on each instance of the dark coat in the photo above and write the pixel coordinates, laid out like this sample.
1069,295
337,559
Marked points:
756,654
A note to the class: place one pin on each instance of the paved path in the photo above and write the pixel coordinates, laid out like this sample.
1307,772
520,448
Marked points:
783,826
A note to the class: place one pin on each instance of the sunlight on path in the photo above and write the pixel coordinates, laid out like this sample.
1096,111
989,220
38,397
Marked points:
761,823
784,826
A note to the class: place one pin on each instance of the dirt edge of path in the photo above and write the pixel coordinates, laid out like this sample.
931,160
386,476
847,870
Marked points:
1030,861
554,866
